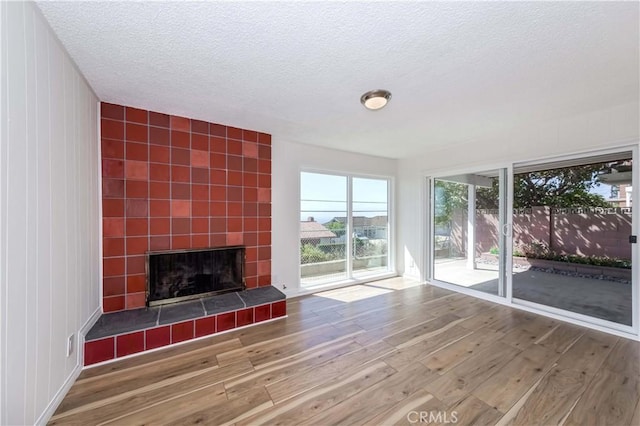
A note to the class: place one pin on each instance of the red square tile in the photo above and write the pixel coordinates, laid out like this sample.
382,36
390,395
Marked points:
158,154
218,146
159,208
264,253
112,168
157,119
205,326
226,321
137,227
200,241
264,238
234,224
217,130
264,138
199,175
251,268
250,135
264,181
218,209
252,256
180,208
264,267
218,240
160,226
200,225
264,166
111,129
264,210
181,331
264,195
113,149
200,192
234,193
264,152
131,343
250,238
262,313
113,247
180,191
250,149
136,245
136,300
136,132
264,224
112,188
137,208
234,133
113,207
234,238
234,178
113,111
181,226
136,115
180,157
180,174
137,151
112,227
264,280
137,189
219,177
250,224
180,139
199,158
251,282
137,170
250,209
136,283
234,209
160,243
234,162
218,193
234,147
181,242
159,136
278,309
218,224
199,208
198,126
135,265
159,172
113,304
218,161
200,142
159,190
158,337
250,165
180,123
244,317
113,266
99,350
250,180
113,286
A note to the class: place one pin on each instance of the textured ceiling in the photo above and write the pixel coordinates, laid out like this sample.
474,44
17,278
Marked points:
457,71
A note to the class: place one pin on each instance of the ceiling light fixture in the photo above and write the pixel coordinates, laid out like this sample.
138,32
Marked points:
375,99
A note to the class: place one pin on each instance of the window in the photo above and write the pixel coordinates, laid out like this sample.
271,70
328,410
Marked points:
344,228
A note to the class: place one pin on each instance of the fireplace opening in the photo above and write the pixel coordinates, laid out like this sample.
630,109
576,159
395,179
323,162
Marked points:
190,274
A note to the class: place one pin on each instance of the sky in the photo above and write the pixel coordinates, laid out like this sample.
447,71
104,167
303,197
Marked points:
325,196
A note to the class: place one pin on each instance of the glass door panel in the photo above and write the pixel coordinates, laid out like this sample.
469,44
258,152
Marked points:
468,221
370,221
571,226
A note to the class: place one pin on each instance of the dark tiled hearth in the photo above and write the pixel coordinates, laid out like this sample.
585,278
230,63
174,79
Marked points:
113,329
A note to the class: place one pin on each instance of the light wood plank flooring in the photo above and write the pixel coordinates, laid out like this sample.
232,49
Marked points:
390,352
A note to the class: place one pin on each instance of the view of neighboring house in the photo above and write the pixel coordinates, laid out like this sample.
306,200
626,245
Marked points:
371,227
314,233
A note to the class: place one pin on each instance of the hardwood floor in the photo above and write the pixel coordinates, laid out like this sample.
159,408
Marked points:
390,352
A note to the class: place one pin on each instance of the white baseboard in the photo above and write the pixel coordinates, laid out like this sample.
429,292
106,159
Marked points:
62,392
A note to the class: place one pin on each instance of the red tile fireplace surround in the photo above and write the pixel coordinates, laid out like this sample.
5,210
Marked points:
173,183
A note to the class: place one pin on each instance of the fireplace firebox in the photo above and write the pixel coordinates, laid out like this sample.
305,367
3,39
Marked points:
174,276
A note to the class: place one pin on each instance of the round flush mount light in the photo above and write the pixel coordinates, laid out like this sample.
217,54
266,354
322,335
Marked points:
375,99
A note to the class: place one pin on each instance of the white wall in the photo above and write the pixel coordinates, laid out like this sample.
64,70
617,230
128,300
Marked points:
288,159
49,228
601,129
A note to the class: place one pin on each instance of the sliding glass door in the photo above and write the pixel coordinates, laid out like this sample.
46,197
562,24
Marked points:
468,219
344,228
